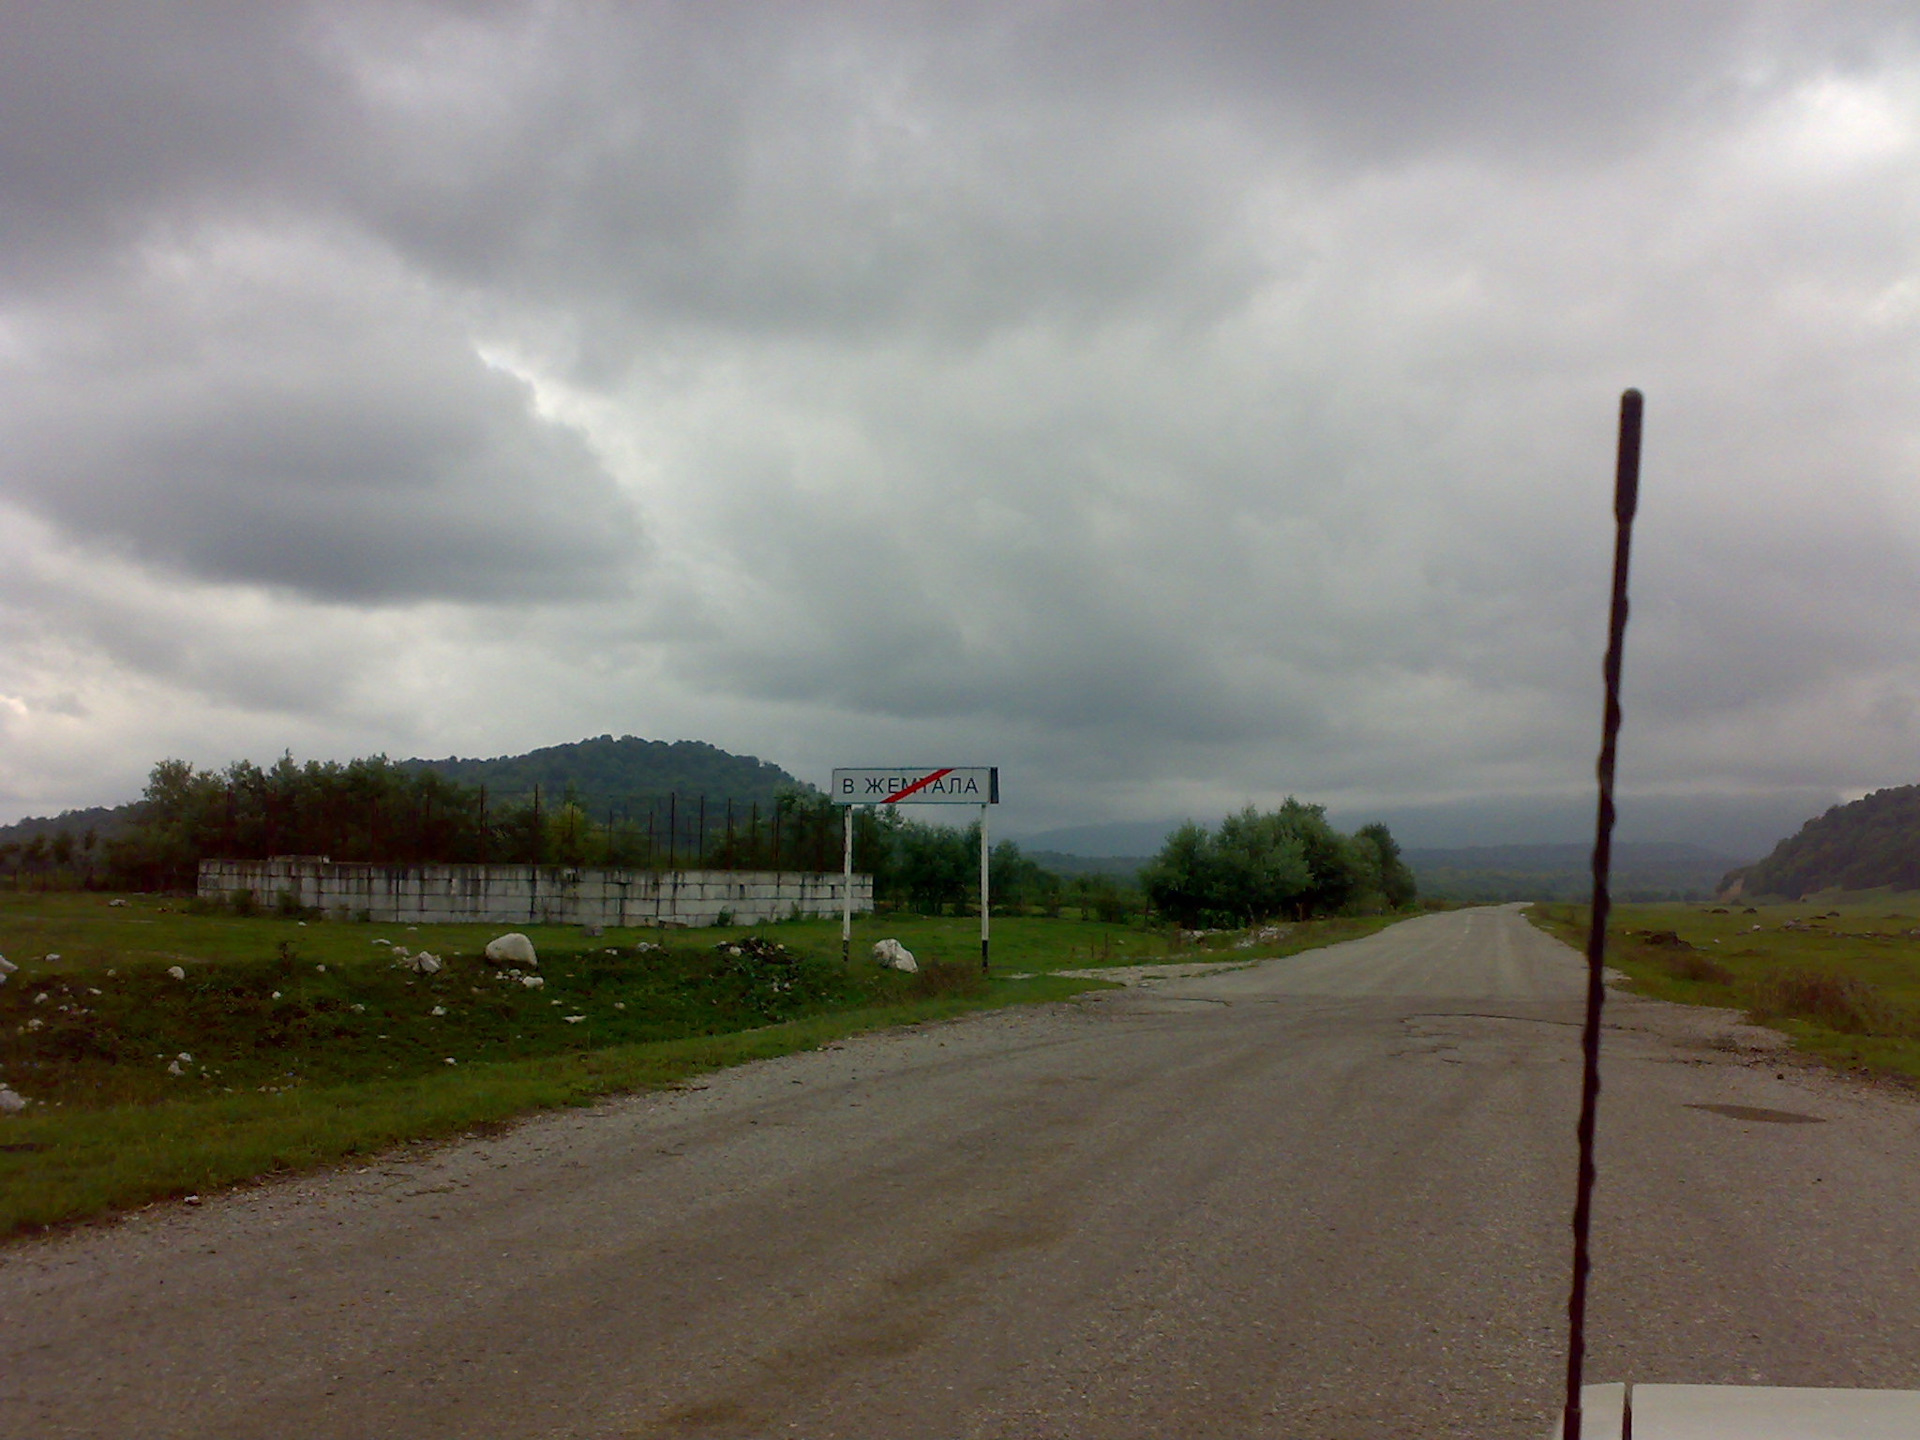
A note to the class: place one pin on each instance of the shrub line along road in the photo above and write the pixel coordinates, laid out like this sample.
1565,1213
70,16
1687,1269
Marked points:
1324,1196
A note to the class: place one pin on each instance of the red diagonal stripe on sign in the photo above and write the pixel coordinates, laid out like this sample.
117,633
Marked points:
921,783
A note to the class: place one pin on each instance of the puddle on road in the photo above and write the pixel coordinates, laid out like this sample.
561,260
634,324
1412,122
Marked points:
1761,1115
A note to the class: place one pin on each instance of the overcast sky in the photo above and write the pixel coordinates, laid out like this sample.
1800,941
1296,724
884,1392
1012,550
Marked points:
1176,405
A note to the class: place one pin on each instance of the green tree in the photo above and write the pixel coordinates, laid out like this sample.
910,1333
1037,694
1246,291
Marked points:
1397,885
1289,861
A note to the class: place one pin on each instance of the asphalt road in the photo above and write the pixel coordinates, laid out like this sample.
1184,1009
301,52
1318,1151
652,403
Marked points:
1321,1197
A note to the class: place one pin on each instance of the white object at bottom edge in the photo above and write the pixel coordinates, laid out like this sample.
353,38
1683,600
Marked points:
1746,1412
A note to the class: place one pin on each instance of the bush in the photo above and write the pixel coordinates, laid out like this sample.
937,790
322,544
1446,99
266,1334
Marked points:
1289,861
1839,1002
1697,967
938,979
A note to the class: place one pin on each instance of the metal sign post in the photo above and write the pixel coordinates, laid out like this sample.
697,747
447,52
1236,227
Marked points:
916,785
985,908
846,894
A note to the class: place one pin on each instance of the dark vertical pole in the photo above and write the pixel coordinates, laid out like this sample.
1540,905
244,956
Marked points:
846,892
1626,497
776,837
729,827
700,845
985,905
673,827
539,832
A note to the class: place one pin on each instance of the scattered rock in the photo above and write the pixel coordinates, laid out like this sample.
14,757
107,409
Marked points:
892,955
573,1019
11,1102
423,964
439,1010
532,982
512,949
116,904
1265,935
177,972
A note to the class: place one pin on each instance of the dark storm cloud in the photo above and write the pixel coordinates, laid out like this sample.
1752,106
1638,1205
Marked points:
248,409
1182,404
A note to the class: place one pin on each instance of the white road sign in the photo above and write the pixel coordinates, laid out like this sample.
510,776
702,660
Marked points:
913,785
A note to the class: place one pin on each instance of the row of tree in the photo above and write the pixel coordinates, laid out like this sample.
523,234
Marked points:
1285,862
372,810
1288,862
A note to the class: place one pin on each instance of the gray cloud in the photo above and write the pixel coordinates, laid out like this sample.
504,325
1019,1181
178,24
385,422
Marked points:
257,408
1179,405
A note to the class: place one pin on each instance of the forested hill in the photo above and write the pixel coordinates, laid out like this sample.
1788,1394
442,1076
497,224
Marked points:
1872,842
609,773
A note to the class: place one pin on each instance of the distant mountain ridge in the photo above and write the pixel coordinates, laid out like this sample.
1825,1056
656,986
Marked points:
1642,871
1874,841
102,820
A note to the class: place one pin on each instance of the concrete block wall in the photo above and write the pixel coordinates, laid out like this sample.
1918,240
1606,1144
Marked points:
533,894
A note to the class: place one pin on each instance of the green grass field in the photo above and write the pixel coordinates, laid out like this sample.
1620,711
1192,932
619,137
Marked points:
284,1045
1840,975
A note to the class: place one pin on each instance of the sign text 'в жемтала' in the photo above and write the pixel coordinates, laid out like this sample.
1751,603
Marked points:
909,785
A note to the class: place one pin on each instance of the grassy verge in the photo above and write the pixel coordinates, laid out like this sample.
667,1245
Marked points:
1840,976
167,1053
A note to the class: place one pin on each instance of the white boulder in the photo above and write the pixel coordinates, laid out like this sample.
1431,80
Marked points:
892,955
512,949
421,964
177,972
10,1101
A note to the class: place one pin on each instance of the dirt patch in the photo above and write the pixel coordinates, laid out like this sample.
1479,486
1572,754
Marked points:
1148,976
